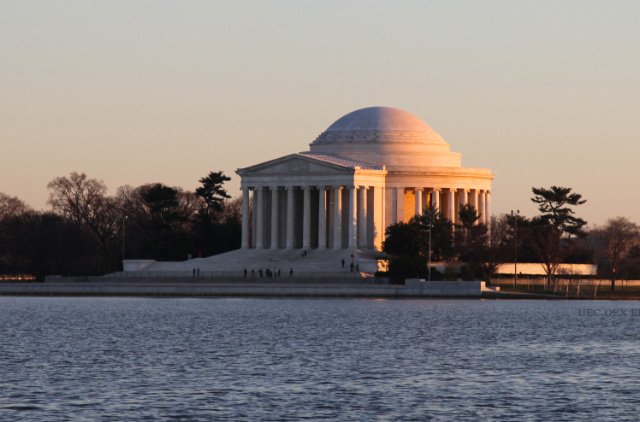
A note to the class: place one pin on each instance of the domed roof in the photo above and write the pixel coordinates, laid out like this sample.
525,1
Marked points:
379,125
379,119
385,136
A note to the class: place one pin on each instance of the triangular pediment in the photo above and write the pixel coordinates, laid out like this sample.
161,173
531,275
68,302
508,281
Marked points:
296,164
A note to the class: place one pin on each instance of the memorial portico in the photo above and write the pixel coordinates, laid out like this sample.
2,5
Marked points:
372,168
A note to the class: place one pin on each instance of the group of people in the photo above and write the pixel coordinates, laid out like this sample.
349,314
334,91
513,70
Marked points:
353,266
277,272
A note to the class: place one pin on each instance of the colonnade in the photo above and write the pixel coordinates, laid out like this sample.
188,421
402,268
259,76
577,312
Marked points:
345,216
305,217
448,201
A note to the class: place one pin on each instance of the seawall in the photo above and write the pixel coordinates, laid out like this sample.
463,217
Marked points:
89,286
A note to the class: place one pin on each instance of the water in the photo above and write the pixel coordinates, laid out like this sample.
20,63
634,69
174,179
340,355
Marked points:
137,359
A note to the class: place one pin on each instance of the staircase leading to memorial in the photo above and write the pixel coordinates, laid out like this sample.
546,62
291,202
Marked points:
315,261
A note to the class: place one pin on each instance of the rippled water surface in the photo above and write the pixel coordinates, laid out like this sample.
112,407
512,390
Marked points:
136,359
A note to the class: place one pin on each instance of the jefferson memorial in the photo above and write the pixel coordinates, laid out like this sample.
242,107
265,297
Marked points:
373,167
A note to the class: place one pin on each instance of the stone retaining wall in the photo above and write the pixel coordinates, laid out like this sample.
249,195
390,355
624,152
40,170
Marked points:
439,289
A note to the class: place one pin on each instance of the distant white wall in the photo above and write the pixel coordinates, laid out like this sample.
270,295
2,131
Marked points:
538,269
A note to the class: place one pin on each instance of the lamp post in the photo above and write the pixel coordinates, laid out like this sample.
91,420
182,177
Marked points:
123,221
515,216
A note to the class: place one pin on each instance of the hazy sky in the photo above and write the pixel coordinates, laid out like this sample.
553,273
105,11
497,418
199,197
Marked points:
131,92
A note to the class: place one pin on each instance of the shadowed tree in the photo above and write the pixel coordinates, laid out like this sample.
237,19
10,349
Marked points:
10,206
469,236
495,248
412,237
46,243
615,241
407,244
404,239
160,218
441,235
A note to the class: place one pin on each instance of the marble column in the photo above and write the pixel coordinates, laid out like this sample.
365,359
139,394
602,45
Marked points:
353,218
254,216
392,204
474,202
418,201
451,194
259,209
400,205
245,218
487,207
337,218
481,209
322,217
274,217
290,217
306,219
377,234
464,198
362,216
435,199
474,199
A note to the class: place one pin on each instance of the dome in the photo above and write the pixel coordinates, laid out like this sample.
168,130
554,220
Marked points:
379,125
379,119
385,136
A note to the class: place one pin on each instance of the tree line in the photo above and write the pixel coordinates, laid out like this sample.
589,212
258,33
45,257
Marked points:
87,231
553,237
84,229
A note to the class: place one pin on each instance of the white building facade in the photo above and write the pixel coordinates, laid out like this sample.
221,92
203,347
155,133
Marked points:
372,168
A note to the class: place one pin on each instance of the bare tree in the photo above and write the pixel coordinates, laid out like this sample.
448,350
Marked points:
11,206
616,239
232,210
495,249
84,201
547,244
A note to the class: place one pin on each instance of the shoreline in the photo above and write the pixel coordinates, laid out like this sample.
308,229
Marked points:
275,288
225,289
272,287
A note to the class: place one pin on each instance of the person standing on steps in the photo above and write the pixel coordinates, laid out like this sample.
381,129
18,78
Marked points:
342,260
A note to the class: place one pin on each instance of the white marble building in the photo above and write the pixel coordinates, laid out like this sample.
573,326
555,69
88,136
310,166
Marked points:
371,168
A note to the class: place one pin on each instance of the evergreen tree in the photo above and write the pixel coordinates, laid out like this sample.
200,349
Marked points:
554,205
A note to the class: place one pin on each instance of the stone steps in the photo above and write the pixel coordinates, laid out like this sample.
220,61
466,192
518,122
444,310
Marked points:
316,261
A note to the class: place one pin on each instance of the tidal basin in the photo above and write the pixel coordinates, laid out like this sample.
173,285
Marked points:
237,359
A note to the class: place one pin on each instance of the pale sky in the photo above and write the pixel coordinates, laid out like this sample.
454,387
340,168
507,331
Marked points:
132,92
